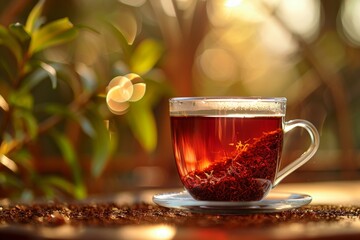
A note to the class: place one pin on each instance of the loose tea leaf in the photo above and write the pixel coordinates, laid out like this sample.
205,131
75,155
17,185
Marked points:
112,214
247,177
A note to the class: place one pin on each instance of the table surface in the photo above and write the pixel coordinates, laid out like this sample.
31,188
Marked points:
334,213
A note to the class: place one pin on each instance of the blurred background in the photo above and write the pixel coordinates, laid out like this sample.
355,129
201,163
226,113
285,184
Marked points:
307,51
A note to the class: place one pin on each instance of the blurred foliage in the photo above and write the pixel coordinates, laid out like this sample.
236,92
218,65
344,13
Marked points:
52,100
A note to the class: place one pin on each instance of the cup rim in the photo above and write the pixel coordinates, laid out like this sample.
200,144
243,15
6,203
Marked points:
229,99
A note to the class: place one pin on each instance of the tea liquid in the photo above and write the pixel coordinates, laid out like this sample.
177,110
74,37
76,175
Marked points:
225,158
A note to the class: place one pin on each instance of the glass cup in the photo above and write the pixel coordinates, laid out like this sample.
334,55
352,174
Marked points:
229,148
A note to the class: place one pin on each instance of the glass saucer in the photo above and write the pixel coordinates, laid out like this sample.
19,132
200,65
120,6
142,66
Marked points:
274,202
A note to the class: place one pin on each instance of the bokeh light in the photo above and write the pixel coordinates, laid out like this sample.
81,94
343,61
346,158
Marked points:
350,21
218,64
306,12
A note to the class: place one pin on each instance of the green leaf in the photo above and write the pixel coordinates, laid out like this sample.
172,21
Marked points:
60,183
21,99
7,71
8,163
87,77
20,33
33,20
3,104
145,56
142,123
8,180
8,68
24,159
126,49
33,79
43,71
156,90
126,23
10,42
52,34
68,152
51,73
8,144
64,110
101,149
86,125
55,109
26,122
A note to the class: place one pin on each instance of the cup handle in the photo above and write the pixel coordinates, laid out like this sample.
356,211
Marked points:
315,141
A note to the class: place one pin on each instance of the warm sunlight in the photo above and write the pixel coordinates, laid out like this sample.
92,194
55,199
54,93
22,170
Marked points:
302,17
350,20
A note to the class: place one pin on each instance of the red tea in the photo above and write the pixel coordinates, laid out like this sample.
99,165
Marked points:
227,158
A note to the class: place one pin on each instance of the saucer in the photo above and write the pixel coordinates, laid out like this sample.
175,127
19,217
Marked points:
273,202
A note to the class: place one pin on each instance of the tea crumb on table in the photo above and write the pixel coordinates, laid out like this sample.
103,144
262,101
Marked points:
111,214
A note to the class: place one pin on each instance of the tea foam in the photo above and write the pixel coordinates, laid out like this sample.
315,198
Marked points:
235,107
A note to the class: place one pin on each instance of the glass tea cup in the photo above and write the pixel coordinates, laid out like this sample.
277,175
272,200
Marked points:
229,148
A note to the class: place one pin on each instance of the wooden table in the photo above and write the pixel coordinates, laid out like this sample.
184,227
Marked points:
333,214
